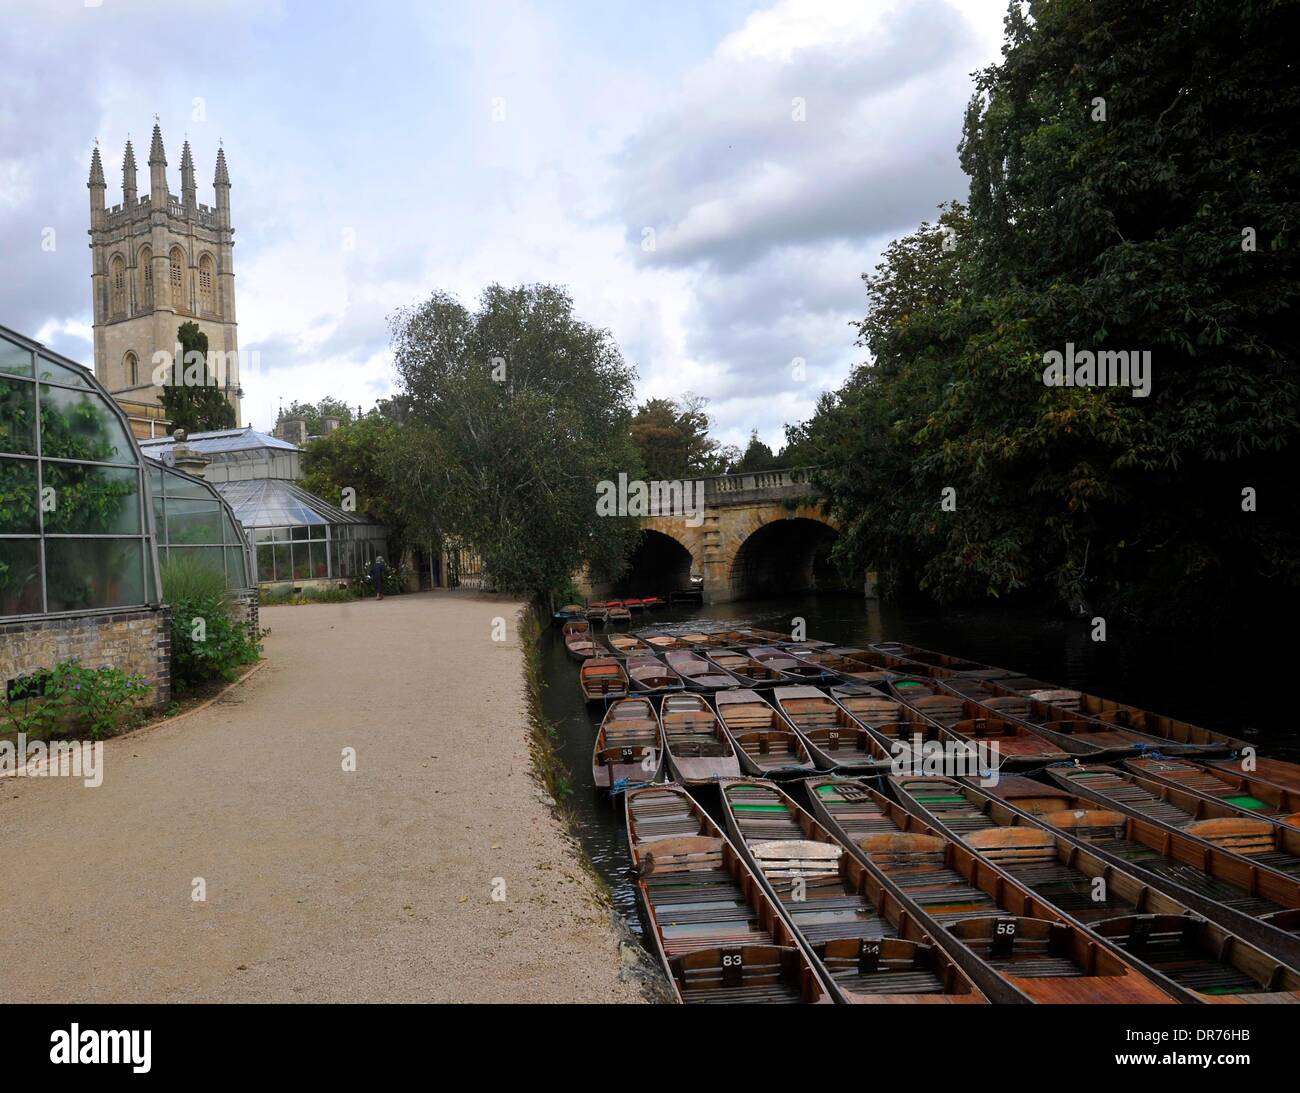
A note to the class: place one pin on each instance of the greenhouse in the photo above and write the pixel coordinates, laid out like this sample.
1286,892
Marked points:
74,532
193,520
300,537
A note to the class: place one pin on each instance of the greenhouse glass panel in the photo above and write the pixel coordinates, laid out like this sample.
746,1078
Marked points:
89,573
265,563
60,373
319,560
89,500
78,425
193,522
236,568
17,417
14,359
19,499
20,576
283,564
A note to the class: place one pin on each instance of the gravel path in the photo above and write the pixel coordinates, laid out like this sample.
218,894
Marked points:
322,885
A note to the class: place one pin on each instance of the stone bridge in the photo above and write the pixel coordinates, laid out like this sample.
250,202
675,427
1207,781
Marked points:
761,533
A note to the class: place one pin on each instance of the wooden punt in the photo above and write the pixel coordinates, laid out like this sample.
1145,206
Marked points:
717,932
579,642
834,737
1239,790
597,614
629,748
1017,743
602,679
703,639
938,665
749,635
698,673
648,675
791,667
1273,846
841,667
569,611
1105,740
616,611
803,648
1212,881
867,666
698,747
1276,772
1199,959
661,642
900,729
745,668
862,941
766,744
627,645
1014,945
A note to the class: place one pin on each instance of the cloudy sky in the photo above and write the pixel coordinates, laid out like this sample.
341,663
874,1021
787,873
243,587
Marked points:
655,158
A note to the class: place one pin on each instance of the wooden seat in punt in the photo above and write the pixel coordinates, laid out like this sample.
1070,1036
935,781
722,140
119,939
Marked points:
629,748
745,669
602,679
699,674
649,675
832,735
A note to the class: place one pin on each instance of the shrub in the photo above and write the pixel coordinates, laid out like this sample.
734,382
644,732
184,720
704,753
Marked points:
72,700
187,578
209,643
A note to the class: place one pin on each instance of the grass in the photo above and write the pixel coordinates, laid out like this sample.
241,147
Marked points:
186,579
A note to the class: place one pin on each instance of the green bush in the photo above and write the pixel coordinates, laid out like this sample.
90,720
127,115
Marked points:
72,700
394,583
209,643
187,578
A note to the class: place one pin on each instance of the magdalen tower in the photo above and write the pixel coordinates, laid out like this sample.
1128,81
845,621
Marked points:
159,260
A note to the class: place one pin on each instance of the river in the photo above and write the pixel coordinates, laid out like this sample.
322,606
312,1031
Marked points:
1232,686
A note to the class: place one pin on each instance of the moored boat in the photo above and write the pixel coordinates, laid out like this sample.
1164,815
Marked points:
579,642
1249,794
569,611
747,671
648,675
791,667
661,642
833,736
1014,945
698,748
616,612
766,744
597,613
718,934
1276,772
629,747
866,947
602,679
1188,955
627,645
700,674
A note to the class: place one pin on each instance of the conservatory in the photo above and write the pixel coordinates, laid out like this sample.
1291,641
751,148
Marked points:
299,537
78,563
193,520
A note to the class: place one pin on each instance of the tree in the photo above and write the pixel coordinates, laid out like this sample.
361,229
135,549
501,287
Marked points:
191,399
1123,198
314,414
757,457
674,442
514,413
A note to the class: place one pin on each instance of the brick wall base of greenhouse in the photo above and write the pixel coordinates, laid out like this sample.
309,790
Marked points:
134,641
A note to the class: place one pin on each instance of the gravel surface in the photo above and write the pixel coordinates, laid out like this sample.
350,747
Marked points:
321,885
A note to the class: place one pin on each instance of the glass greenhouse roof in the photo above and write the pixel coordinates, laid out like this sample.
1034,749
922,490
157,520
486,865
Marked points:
274,502
220,441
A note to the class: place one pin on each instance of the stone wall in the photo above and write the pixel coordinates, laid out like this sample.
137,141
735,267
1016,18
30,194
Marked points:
134,641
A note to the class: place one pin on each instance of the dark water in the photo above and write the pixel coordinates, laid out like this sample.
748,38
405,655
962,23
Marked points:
1227,686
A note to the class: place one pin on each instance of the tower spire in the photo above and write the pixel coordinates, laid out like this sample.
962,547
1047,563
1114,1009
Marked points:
157,168
221,183
128,175
96,185
96,169
189,194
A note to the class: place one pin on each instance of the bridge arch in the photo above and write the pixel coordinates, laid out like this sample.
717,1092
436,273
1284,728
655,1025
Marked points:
660,563
780,553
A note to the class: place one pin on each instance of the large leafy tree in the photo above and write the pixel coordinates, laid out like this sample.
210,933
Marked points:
673,439
1135,185
513,413
195,404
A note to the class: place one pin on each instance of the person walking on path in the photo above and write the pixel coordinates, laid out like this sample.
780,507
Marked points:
377,569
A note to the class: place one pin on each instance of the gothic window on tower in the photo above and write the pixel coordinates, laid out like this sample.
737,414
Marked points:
178,294
146,267
205,285
131,369
117,280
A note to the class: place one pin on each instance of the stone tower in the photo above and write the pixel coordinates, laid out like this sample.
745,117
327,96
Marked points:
158,261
